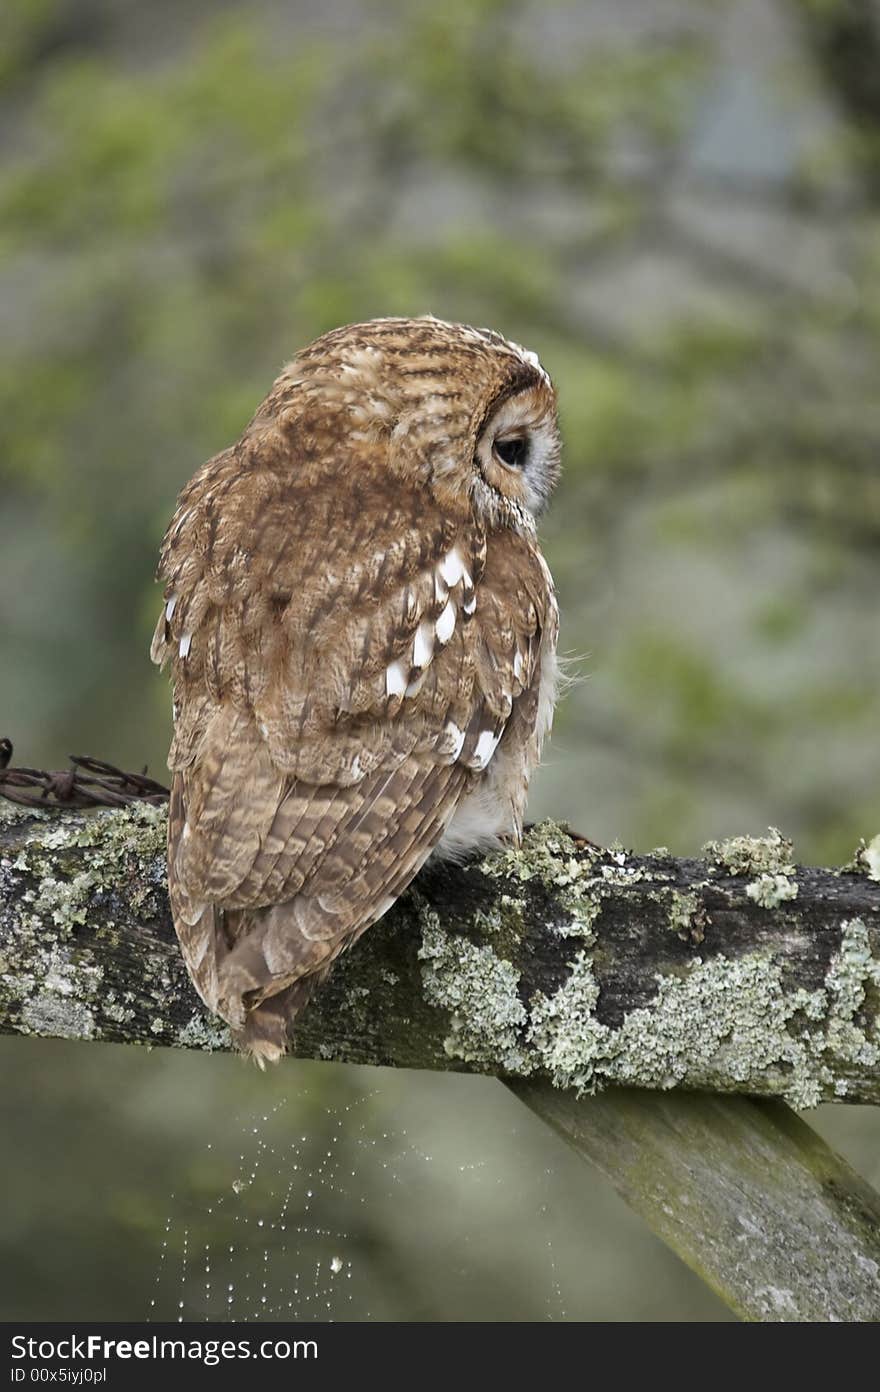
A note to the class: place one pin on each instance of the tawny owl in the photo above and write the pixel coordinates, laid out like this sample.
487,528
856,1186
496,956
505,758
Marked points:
362,631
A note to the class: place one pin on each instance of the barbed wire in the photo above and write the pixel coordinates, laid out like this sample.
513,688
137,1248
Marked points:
88,783
94,783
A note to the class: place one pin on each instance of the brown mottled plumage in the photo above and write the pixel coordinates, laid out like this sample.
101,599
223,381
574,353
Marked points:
362,633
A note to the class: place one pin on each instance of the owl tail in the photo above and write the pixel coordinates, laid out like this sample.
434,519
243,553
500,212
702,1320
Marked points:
261,1030
266,1032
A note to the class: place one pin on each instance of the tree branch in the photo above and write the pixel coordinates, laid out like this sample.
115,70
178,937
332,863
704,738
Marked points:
559,961
743,1190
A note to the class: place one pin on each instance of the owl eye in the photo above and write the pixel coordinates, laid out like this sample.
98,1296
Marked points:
513,452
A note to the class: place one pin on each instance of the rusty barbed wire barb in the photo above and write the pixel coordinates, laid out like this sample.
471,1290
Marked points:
89,783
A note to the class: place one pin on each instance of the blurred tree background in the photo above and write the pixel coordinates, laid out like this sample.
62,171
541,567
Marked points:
677,204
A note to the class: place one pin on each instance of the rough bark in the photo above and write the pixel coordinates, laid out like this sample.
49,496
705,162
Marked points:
736,973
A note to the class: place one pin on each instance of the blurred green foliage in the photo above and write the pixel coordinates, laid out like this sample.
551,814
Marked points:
675,210
174,227
176,222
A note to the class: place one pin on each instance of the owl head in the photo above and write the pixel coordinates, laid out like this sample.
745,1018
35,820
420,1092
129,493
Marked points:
463,410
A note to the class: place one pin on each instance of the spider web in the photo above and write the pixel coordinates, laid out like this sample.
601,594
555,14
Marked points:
305,1212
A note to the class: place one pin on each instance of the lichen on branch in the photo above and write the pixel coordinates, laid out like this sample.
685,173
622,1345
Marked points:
590,967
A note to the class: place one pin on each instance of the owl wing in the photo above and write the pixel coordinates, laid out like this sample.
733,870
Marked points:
337,692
